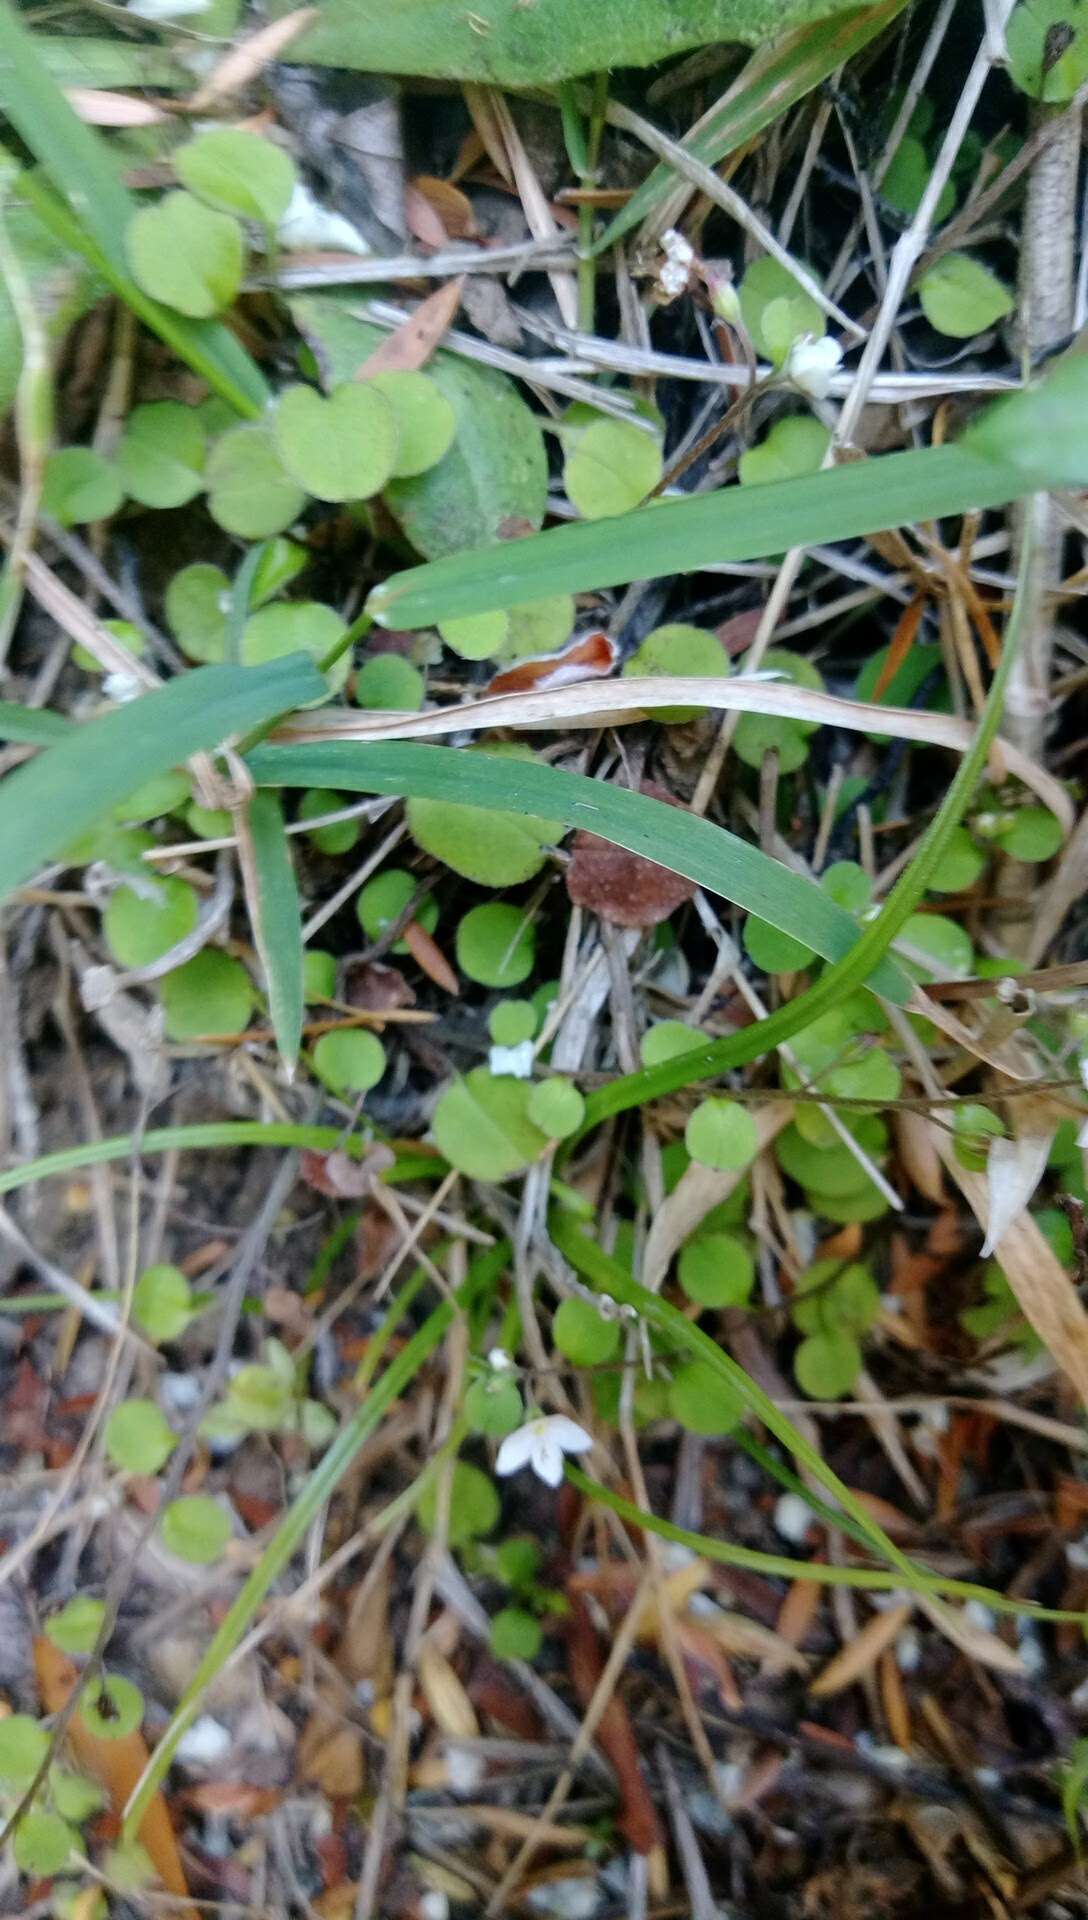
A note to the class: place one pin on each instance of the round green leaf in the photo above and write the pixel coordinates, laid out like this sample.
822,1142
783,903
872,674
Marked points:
162,1303
721,1134
666,1040
870,1074
477,636
494,848
866,1203
186,255
249,491
473,1504
772,950
583,1335
381,902
77,1626
387,682
1047,45
701,1401
821,1168
197,603
496,945
682,651
793,446
211,994
112,1706
161,455
23,1747
944,940
138,1437
74,1797
494,1406
611,468
960,296
716,1270
1034,834
349,1061
826,1365
340,836
767,285
80,486
835,1298
973,1127
425,419
196,1528
907,179
482,1127
556,1107
238,172
163,793
515,1635
959,865
848,885
318,974
340,448
540,626
511,1022
293,626
43,1843
140,929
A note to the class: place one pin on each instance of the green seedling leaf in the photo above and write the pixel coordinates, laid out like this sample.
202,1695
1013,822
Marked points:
1047,45
389,682
961,297
947,944
196,1528
973,1128
961,863
318,974
494,1406
511,1022
382,901
496,945
161,455
238,173
716,1270
775,309
611,467
1036,432
758,734
342,448
425,418
163,793
483,849
478,637
515,1635
473,1504
700,1402
43,1843
556,1106
907,178
542,627
80,486
583,1335
340,836
112,1706
294,626
349,1061
211,994
75,1629
1033,834
141,927
667,1040
771,950
721,1134
792,447
826,1365
679,649
832,1298
250,493
138,1438
186,255
162,1303
23,1748
93,768
276,916
197,601
482,1126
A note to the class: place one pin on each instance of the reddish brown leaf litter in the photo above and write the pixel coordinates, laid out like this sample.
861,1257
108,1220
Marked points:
622,887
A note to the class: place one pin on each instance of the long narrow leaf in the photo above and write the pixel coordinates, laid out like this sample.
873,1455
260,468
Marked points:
45,803
277,921
212,1135
32,726
772,82
95,208
707,854
680,536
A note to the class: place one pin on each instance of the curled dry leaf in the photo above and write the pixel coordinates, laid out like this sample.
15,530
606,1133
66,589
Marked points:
622,887
638,1820
410,346
860,1654
451,1709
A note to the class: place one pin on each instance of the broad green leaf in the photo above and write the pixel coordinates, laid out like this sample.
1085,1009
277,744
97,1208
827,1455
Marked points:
482,1126
197,600
692,846
611,466
781,72
141,926
138,1437
238,173
960,296
426,422
277,923
1037,433
537,45
80,486
275,632
249,491
793,446
96,766
196,1528
496,944
493,479
90,211
776,309
342,448
495,846
161,454
350,1060
186,255
1047,43
211,993
679,649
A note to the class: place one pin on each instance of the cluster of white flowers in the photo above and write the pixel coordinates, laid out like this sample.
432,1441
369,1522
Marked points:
675,270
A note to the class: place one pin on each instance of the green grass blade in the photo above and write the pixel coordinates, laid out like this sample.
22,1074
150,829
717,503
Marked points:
680,536
32,726
44,803
773,81
296,1523
212,1135
780,1566
277,922
94,210
707,854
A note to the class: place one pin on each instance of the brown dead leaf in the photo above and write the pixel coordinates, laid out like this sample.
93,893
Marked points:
373,987
428,956
100,108
451,1709
330,1756
339,1177
411,345
423,219
622,887
860,1654
919,1156
901,643
249,58
365,1652
453,207
638,1819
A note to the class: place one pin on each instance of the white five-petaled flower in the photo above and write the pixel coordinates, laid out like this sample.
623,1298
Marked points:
810,364
541,1444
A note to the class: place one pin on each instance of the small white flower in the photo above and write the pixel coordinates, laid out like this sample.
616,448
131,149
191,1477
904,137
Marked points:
499,1360
541,1444
515,1061
205,1744
810,364
676,269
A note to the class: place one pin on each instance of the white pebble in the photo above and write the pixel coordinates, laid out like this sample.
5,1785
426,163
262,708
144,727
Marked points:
908,1651
792,1518
205,1744
434,1906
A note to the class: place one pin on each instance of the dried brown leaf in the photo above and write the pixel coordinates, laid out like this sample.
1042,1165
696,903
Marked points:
250,57
622,887
411,345
860,1654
